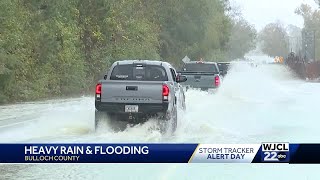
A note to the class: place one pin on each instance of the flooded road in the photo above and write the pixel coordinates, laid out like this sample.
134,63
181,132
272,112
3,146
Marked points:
254,104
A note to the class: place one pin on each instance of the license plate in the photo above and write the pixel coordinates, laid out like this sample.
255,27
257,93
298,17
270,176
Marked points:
131,108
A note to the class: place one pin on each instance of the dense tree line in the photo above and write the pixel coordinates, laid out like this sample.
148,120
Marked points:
242,39
277,40
274,40
311,28
54,48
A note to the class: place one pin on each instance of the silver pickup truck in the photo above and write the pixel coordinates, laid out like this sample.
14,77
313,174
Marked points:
135,90
201,75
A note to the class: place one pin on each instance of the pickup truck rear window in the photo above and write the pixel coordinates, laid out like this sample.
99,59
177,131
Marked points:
201,67
136,72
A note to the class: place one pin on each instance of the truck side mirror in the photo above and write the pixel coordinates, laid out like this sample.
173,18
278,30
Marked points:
223,72
105,76
181,78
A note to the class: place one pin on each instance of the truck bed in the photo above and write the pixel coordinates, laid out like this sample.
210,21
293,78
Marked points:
203,80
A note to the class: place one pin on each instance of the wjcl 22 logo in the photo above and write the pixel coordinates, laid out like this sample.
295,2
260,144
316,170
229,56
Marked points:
275,152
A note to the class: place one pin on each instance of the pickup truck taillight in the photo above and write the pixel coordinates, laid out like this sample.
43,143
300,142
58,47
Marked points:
217,81
98,91
165,92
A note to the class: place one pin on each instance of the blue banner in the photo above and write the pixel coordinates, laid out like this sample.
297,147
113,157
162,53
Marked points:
288,153
161,153
304,153
96,153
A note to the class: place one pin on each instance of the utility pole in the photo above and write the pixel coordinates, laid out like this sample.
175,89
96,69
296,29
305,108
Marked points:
309,41
314,44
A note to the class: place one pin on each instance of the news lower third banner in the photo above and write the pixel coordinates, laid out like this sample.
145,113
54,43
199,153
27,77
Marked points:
161,153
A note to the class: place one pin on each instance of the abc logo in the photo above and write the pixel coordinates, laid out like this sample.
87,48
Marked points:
275,156
282,156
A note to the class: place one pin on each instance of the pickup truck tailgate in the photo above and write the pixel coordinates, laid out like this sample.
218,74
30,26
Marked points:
131,92
200,80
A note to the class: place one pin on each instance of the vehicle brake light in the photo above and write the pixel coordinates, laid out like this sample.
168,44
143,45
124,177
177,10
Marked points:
217,81
98,90
165,92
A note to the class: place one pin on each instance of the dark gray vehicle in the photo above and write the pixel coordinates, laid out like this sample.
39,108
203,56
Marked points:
135,90
224,68
201,75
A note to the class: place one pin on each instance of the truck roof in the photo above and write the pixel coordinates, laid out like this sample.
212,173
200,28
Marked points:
151,62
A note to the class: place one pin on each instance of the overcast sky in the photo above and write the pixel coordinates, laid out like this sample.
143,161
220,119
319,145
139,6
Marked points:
263,12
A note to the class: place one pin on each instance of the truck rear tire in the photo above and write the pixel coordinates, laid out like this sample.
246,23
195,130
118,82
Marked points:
170,123
96,120
184,107
174,120
98,117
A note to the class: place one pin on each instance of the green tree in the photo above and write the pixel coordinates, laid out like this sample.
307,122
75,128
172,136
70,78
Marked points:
312,25
14,52
61,48
274,39
242,39
196,28
113,30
